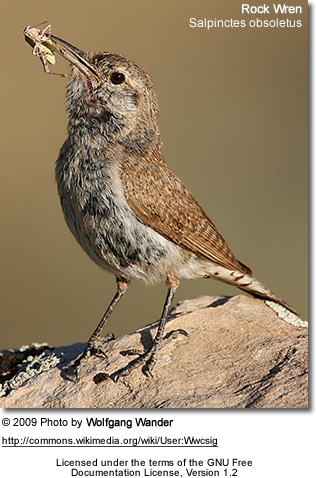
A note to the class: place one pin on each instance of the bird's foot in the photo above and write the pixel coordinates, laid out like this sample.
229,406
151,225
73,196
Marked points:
95,347
145,358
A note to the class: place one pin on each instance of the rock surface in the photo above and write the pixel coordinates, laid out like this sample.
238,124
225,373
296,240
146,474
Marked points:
238,354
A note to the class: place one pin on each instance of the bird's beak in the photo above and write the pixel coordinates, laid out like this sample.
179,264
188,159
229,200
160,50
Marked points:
72,54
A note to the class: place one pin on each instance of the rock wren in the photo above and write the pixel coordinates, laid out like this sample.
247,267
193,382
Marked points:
129,212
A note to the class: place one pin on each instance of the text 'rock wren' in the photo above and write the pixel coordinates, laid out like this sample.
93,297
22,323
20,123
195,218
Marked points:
126,208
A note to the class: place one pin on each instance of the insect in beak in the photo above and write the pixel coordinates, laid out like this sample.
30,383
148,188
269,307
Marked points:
44,45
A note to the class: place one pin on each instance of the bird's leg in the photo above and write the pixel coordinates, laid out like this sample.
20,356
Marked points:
148,357
93,346
95,342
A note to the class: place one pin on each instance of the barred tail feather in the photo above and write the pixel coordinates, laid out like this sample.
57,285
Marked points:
256,289
246,282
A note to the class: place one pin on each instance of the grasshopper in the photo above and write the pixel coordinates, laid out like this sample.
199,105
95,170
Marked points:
35,38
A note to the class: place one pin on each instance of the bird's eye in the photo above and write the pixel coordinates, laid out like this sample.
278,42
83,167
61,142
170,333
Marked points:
117,78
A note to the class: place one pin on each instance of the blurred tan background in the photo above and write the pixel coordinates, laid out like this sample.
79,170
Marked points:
234,122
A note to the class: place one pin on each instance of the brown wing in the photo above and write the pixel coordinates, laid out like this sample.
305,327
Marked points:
162,201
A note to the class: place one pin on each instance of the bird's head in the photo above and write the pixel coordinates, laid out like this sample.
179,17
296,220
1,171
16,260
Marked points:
111,95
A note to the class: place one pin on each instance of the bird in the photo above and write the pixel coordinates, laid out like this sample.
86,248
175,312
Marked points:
127,209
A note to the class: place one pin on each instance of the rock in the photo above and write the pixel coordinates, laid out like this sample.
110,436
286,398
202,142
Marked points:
238,354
